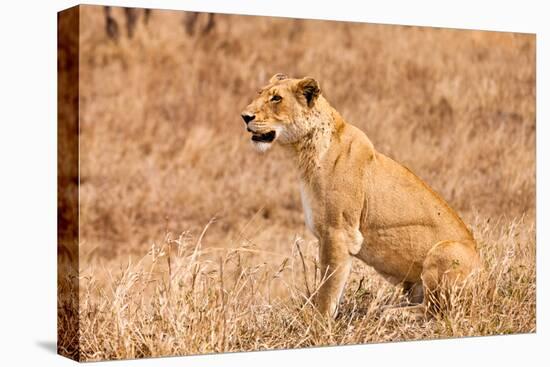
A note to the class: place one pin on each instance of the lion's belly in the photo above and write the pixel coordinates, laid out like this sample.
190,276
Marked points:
399,251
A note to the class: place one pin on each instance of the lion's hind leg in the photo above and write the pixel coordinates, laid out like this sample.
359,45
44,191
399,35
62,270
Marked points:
447,266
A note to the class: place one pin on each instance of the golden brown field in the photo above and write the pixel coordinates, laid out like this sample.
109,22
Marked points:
191,242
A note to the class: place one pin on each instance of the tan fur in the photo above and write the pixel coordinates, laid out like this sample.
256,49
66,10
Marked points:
358,202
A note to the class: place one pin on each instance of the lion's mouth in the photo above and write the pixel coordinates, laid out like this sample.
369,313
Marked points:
266,138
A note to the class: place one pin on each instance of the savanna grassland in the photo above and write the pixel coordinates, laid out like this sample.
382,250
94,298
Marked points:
191,242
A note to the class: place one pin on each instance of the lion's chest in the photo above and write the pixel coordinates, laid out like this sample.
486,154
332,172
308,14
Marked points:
308,205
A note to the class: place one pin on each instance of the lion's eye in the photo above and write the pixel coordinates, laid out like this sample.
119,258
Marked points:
276,98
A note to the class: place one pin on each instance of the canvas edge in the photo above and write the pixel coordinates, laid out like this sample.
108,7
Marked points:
68,183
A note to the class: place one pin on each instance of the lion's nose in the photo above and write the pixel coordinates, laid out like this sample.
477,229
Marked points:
247,118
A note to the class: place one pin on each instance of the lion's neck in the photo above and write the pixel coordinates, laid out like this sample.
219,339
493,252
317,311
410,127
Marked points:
309,152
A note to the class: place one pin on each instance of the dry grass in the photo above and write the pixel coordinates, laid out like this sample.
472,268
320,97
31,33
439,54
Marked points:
199,306
163,152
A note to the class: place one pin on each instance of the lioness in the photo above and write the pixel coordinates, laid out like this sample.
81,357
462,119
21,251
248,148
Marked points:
358,202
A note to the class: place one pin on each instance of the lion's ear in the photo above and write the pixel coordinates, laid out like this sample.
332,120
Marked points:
277,77
309,88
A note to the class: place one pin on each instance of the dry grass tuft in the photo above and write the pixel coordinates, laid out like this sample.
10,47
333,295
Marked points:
163,152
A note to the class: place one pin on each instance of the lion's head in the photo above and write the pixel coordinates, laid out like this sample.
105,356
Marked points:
282,111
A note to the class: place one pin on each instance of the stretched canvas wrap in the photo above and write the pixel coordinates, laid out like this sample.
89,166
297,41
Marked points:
243,183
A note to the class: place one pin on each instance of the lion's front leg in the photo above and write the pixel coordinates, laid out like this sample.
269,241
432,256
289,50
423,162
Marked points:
335,261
